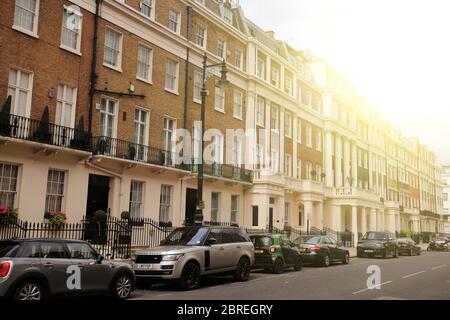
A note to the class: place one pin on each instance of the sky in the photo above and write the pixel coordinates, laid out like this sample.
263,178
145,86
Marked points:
396,53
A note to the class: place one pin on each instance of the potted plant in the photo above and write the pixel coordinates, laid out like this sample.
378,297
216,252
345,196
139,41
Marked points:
42,134
4,213
56,219
125,215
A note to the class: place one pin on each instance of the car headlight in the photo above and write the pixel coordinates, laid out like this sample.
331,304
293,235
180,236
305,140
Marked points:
172,257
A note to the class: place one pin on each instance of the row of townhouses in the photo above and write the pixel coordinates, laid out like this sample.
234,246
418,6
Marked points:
95,90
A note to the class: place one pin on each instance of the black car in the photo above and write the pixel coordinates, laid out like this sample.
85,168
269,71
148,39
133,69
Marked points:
321,250
408,246
275,252
375,243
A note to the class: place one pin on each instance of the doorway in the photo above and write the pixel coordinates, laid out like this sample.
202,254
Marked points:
98,195
191,206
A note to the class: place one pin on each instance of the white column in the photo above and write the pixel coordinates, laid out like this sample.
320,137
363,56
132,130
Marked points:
268,69
338,157
281,143
308,206
337,218
378,220
318,217
354,165
397,222
355,224
373,220
383,220
363,221
346,162
328,155
369,155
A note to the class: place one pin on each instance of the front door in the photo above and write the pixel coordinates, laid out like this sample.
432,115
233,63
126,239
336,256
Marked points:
98,195
270,219
191,206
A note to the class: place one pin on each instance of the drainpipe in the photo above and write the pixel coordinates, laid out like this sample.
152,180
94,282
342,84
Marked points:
93,78
186,70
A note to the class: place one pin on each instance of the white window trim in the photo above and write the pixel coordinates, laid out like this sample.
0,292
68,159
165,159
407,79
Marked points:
242,104
178,31
199,101
119,57
222,110
150,80
142,203
76,51
147,124
205,37
263,106
116,114
241,58
318,139
276,129
177,80
237,197
30,95
309,133
152,12
224,49
74,103
288,133
64,192
33,33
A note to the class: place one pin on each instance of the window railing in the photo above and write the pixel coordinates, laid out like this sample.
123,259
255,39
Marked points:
43,132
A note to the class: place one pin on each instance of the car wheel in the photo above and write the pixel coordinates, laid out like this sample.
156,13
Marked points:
278,266
29,290
190,277
326,261
395,253
429,248
385,253
359,254
122,287
346,259
298,264
419,252
410,253
242,272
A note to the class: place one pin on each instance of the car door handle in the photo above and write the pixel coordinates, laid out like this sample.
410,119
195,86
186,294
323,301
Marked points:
221,248
239,247
48,265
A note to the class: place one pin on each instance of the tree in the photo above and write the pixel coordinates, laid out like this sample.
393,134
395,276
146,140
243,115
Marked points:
4,117
42,134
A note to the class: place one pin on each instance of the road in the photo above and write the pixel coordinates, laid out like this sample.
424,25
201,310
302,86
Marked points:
418,277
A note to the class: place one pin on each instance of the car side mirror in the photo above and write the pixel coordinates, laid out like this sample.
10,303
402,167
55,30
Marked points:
100,258
211,241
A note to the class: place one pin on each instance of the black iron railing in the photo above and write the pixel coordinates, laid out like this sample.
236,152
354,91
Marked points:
43,132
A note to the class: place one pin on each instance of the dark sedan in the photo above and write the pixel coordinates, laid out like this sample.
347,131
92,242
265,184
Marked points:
408,246
321,250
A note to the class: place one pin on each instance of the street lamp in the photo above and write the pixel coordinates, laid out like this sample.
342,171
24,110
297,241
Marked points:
198,217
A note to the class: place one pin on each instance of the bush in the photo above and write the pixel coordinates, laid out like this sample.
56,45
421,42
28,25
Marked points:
125,215
56,218
99,215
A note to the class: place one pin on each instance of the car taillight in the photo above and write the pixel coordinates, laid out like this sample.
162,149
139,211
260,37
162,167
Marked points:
273,249
314,249
5,267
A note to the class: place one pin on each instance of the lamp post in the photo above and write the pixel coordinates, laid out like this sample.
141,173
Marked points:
198,217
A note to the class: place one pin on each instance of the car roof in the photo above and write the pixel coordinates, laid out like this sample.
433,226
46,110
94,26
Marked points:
43,240
266,235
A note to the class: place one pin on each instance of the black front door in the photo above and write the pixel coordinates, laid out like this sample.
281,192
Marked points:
191,206
270,219
98,195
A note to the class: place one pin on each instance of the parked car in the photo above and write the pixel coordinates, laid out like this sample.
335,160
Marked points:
438,244
34,269
321,250
191,252
276,253
374,243
408,246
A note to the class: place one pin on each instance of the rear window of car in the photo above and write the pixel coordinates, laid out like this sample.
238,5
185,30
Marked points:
6,247
262,241
314,240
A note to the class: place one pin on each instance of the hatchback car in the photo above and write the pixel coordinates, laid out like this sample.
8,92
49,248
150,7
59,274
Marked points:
191,252
38,268
322,250
275,252
374,243
408,246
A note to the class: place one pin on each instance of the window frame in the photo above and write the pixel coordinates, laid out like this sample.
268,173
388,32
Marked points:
217,210
152,5
239,104
177,23
17,88
219,92
197,85
149,64
56,196
204,37
15,192
76,50
34,32
133,202
166,192
176,76
262,108
120,50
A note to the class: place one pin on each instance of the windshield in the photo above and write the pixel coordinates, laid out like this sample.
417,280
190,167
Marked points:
375,236
402,240
261,241
186,237
313,240
6,247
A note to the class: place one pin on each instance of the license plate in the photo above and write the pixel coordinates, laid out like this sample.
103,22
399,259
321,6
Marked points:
368,251
145,266
259,251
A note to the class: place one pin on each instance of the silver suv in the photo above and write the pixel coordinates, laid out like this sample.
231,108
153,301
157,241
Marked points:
191,252
34,269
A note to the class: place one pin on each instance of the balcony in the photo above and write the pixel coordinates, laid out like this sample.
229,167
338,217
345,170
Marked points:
39,131
126,150
351,193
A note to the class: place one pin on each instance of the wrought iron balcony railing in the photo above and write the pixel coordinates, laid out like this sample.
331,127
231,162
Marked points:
43,132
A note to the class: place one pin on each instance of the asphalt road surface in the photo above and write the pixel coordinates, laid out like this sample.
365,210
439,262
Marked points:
418,277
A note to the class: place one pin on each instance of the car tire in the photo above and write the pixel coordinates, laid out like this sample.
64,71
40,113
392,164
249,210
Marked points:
419,252
278,266
190,277
242,272
346,259
410,253
395,253
29,290
385,253
359,254
298,264
326,261
122,287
